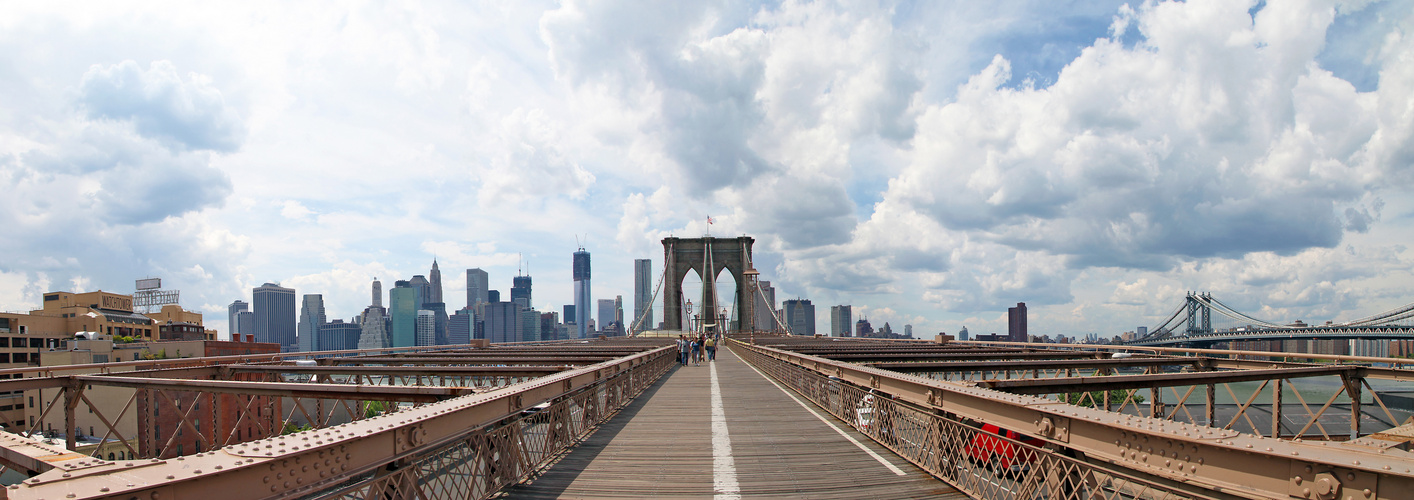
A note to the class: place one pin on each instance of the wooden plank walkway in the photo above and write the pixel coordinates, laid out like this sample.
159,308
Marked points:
661,446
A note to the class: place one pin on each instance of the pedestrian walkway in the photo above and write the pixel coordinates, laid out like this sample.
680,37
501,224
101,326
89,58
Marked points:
664,445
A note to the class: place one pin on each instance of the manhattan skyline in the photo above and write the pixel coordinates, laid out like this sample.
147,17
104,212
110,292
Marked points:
928,163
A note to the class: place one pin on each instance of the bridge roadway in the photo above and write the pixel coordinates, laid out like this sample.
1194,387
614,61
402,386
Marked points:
662,446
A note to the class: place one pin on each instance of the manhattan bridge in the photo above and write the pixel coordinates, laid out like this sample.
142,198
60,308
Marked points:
1192,324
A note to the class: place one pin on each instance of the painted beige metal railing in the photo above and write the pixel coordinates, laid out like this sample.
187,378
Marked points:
485,460
1076,452
467,447
982,464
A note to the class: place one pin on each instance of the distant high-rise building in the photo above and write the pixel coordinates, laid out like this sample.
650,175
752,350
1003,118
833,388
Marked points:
434,280
549,326
606,314
439,312
1016,323
502,322
642,294
477,282
373,323
619,311
529,325
245,323
422,287
569,314
841,321
1141,331
460,327
520,291
425,328
962,334
310,317
863,329
402,309
493,296
765,306
908,331
583,299
232,317
274,308
338,335
800,316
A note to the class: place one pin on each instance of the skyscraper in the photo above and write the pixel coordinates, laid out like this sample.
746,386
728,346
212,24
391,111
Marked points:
529,325
460,327
403,306
962,334
765,306
841,321
502,322
425,328
422,288
642,295
1016,323
606,314
373,323
800,316
233,317
274,307
338,335
435,282
619,312
245,324
476,286
582,297
520,291
310,317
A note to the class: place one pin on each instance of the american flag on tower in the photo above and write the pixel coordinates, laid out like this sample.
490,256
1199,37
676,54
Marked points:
709,219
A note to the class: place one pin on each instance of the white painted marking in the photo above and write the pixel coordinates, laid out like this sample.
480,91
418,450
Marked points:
832,425
723,465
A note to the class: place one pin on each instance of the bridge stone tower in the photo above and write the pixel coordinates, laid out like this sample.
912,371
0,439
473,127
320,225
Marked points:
681,255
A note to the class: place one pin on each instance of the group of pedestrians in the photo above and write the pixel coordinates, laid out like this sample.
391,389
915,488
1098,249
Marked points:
691,347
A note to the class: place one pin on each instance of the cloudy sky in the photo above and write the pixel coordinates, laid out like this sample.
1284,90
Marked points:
928,162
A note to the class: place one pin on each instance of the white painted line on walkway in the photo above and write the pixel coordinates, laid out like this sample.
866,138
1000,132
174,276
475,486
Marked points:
723,465
832,425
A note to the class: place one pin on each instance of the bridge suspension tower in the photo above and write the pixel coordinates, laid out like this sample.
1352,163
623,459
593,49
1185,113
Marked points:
1200,314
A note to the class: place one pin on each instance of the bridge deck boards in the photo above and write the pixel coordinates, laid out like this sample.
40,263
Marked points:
661,447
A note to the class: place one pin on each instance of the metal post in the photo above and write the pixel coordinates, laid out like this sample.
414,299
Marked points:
1352,387
1211,410
71,400
1276,409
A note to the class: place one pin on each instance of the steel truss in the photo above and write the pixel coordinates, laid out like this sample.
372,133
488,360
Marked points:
1070,451
459,428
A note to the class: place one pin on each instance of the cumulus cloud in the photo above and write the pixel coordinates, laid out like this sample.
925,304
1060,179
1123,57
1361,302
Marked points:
1215,135
188,112
531,163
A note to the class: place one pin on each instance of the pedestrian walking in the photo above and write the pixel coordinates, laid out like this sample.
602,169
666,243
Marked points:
684,349
712,348
697,351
